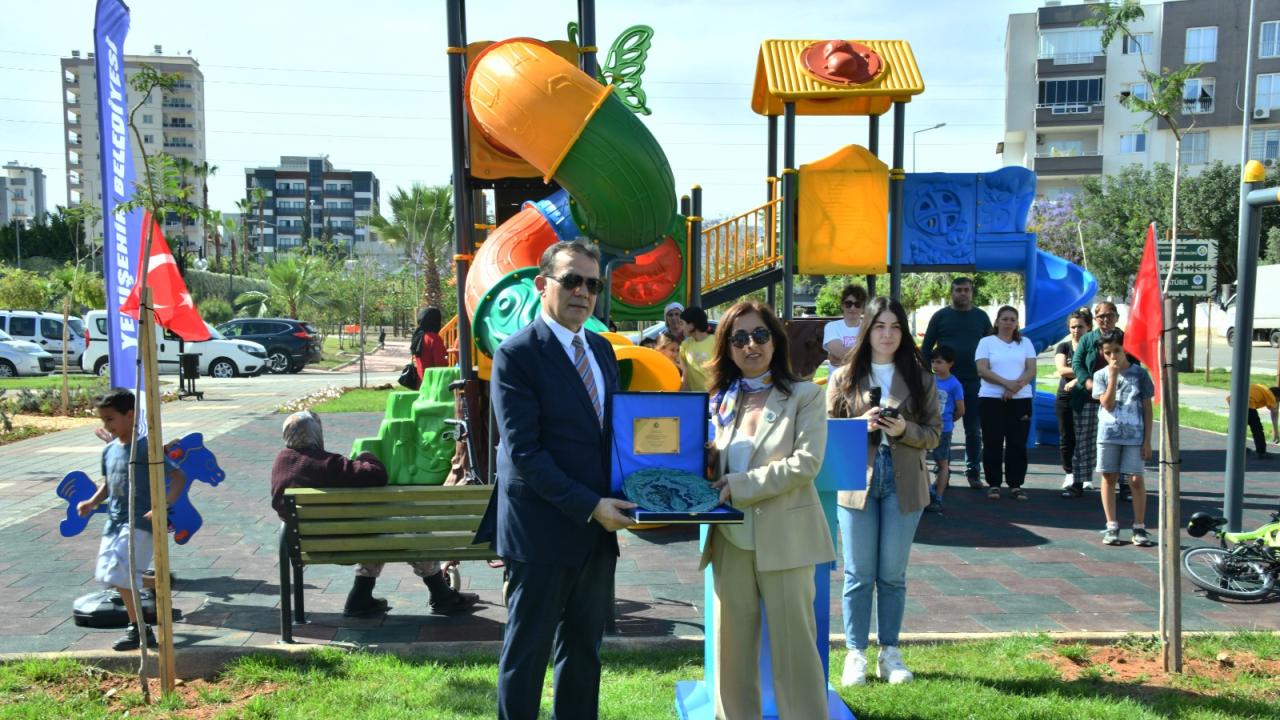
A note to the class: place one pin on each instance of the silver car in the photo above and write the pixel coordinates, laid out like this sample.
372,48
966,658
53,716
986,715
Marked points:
19,357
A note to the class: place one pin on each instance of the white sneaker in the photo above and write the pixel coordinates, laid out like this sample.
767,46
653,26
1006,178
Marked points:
1068,481
1088,484
889,666
855,668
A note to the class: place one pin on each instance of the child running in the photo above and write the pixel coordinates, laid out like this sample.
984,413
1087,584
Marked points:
116,410
951,401
1125,391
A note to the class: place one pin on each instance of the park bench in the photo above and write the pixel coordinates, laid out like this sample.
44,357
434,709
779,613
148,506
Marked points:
397,523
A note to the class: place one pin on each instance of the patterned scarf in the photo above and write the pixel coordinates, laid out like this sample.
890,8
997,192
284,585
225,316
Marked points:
724,406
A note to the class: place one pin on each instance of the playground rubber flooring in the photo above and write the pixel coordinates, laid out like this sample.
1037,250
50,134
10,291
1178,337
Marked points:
983,565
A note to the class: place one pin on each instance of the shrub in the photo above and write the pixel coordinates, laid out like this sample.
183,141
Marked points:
215,311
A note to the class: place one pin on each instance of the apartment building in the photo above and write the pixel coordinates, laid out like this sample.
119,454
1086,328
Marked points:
1063,117
308,198
21,194
172,122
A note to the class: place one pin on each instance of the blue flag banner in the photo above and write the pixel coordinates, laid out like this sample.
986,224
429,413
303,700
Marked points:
121,230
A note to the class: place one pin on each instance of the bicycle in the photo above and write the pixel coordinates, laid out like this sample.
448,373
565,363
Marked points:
460,432
1246,565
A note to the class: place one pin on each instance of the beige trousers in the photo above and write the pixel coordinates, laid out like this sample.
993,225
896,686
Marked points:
799,684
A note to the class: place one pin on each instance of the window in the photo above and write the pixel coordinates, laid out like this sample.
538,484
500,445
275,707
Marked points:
1195,148
1070,46
1070,96
1202,45
1268,92
1139,44
51,329
1133,142
148,119
1197,96
22,327
148,139
1062,148
1139,90
1265,144
1270,45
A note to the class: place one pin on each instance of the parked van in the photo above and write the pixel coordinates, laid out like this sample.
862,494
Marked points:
45,329
19,357
219,357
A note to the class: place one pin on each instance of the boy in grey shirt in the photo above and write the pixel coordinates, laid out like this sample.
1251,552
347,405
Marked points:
1125,392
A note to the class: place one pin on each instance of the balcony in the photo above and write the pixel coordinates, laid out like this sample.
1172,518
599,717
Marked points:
176,105
1064,115
338,192
1088,163
178,126
178,145
1068,64
289,192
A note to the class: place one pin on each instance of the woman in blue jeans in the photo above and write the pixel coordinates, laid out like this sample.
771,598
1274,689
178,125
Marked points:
886,383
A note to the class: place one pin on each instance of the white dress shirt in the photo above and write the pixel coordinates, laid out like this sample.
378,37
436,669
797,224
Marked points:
565,336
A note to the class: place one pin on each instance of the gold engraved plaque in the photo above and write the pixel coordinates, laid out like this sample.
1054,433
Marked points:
655,436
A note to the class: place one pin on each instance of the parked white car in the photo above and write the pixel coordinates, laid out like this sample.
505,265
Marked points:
45,329
18,357
219,357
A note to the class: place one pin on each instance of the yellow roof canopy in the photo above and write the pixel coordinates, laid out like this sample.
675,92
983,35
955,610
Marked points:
782,76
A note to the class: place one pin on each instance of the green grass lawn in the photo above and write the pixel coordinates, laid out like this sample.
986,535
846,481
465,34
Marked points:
1220,378
335,356
357,400
1005,678
53,381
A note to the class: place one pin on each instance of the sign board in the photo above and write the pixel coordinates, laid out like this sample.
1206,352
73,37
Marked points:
1195,272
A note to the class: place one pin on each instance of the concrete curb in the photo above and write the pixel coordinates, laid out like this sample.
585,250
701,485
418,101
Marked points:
207,662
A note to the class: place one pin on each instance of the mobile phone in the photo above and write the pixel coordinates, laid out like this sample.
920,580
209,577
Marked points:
890,412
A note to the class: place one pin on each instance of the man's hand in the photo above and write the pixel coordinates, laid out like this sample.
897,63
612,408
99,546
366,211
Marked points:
1146,449
609,514
85,508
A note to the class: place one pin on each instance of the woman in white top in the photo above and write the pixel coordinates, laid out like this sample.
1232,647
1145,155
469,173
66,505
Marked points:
839,336
1007,365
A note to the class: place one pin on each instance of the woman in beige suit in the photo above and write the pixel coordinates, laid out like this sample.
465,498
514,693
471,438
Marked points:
887,384
770,434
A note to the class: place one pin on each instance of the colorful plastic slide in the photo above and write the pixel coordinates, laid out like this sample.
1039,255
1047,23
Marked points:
978,221
618,188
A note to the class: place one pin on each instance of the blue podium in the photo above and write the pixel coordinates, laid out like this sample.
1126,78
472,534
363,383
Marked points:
842,469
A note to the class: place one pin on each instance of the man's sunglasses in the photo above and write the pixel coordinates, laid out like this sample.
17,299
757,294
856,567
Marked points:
759,336
852,304
573,281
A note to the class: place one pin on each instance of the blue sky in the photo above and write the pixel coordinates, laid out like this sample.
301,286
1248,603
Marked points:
365,82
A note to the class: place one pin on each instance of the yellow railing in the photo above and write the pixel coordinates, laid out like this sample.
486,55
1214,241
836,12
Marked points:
742,246
449,334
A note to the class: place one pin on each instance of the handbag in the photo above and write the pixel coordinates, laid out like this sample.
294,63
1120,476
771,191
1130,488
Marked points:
409,377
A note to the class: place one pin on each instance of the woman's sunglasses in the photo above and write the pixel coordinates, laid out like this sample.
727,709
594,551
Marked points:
852,304
759,336
573,281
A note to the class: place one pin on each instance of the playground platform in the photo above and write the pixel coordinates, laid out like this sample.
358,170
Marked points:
983,566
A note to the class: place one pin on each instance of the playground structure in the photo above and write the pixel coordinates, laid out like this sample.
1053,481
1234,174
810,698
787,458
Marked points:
527,114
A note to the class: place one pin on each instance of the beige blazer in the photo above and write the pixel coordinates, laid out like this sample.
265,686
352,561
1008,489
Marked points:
908,450
790,527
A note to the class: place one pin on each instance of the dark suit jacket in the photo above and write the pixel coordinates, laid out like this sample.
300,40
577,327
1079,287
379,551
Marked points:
553,456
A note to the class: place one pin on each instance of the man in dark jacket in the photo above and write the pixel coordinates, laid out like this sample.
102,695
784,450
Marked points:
960,327
304,463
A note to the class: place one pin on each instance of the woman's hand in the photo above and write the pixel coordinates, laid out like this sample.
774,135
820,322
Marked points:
1071,384
723,486
871,416
713,459
893,426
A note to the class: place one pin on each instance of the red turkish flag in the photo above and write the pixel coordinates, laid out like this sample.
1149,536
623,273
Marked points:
1146,314
175,311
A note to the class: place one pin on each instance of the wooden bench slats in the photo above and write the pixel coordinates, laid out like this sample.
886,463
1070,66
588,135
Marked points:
425,541
351,558
312,528
389,493
387,510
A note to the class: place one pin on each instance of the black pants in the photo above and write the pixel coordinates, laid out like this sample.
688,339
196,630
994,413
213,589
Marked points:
1259,433
972,429
1066,431
1005,424
562,608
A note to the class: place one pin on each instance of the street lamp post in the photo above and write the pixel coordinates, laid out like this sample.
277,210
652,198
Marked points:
913,142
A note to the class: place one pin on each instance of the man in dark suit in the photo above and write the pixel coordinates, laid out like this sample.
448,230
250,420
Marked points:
553,522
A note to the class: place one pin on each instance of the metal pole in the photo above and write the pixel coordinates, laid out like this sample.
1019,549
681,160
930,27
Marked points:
587,33
17,226
1242,350
463,222
873,146
896,178
770,192
695,247
789,177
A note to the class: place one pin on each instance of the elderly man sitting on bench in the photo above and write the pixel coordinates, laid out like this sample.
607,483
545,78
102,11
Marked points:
304,463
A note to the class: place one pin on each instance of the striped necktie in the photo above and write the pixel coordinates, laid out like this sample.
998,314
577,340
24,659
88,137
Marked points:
588,378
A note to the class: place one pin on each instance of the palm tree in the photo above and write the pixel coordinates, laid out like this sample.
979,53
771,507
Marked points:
204,171
291,282
184,167
245,206
422,225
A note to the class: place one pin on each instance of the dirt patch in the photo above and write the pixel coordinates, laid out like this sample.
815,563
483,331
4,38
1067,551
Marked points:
1138,667
201,699
53,423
